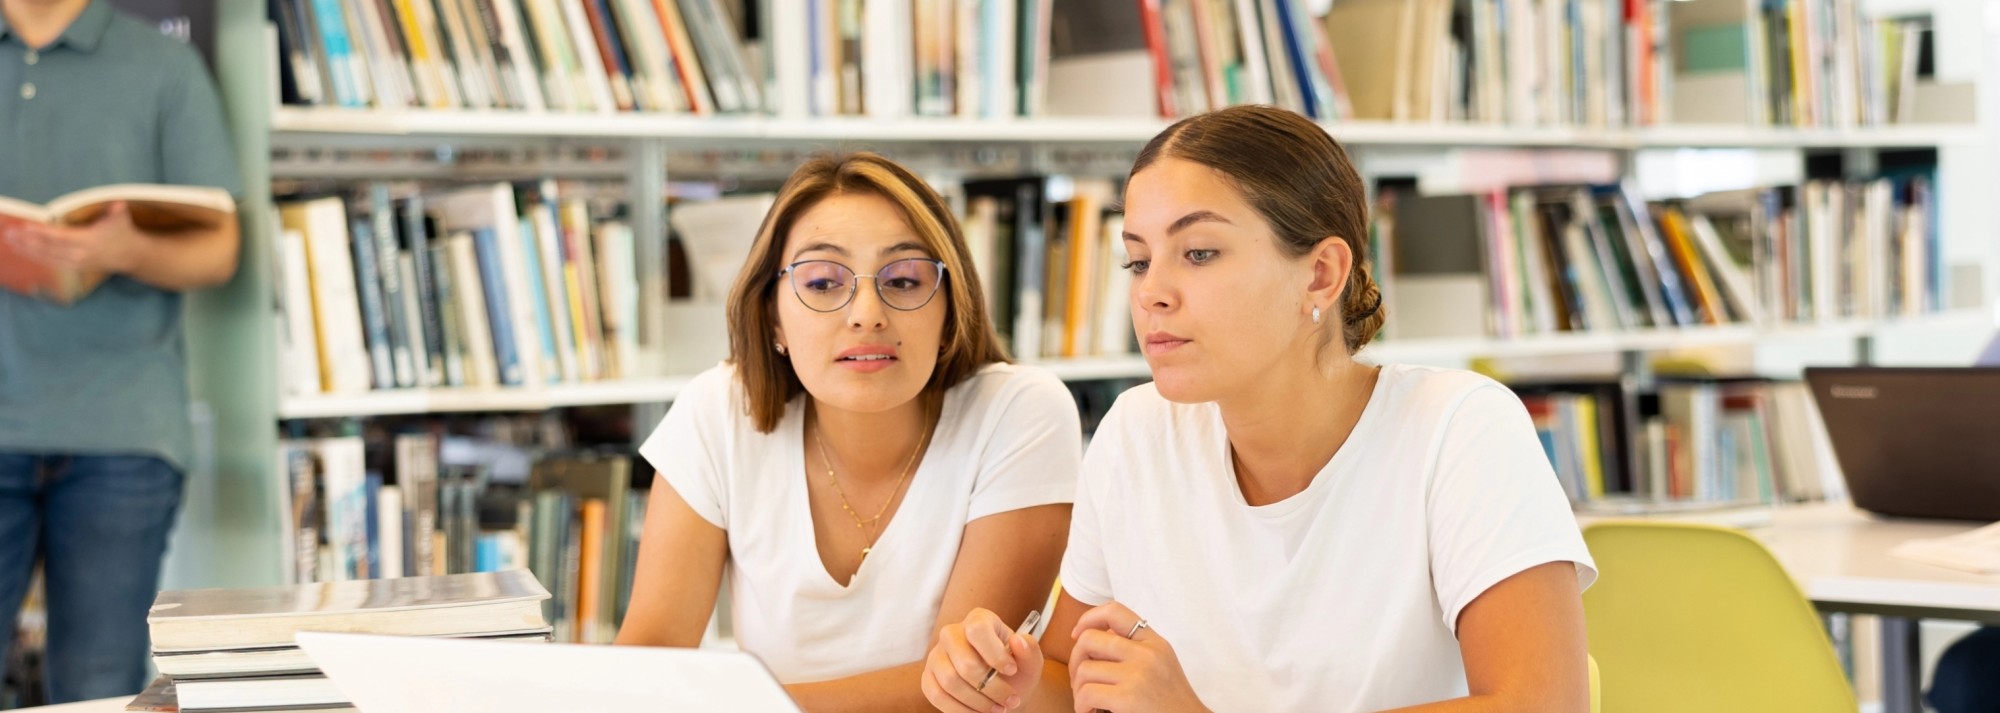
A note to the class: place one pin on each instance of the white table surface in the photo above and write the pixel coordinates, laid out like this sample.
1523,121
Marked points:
108,705
1837,554
1840,557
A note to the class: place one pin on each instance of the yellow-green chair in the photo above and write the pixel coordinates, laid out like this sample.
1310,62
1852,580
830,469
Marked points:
1596,691
1699,618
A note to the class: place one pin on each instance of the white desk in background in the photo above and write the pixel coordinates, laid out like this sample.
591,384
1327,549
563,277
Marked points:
1840,557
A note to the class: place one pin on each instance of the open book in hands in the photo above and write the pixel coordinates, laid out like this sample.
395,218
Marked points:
155,209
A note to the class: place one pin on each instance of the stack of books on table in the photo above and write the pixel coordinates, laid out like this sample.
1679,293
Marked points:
234,650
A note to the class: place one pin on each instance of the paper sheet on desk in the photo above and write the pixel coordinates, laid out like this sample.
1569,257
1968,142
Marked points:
1977,551
382,674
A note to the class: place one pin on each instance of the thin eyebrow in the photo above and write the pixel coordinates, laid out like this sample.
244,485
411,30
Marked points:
821,246
904,246
1200,216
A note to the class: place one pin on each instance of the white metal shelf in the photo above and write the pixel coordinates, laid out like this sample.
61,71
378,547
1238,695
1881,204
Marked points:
660,390
466,123
1661,339
306,122
1902,135
1559,344
461,400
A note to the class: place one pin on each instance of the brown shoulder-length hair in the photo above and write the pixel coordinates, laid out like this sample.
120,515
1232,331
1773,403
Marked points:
1302,183
769,382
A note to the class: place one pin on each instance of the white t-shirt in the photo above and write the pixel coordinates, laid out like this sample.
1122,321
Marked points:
1345,596
1008,439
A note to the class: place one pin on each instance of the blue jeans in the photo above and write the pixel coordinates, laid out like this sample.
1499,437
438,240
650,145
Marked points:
1968,675
99,525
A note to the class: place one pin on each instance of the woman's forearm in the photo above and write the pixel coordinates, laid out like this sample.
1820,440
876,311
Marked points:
890,689
1052,695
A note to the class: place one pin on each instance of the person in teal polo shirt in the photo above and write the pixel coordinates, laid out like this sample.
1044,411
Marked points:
94,421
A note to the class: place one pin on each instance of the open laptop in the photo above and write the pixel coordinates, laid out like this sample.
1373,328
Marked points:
385,674
1915,442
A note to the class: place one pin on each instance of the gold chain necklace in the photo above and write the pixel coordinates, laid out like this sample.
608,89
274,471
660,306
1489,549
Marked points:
867,526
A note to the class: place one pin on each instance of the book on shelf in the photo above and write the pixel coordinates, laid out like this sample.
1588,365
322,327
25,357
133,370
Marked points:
482,287
1051,258
326,490
416,462
882,59
1686,444
1176,58
1575,259
346,520
1805,63
1585,63
491,495
1579,63
1740,515
317,231
1828,249
582,541
155,209
523,285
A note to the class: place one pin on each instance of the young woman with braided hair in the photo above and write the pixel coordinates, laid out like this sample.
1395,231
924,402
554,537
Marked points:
1272,525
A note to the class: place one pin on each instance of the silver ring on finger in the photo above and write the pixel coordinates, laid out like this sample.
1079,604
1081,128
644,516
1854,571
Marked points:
1136,627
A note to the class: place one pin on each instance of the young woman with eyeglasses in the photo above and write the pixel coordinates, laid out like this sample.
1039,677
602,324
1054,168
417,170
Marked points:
1272,525
867,466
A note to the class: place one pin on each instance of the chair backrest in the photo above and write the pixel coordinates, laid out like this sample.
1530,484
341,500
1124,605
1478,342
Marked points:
1596,688
1693,617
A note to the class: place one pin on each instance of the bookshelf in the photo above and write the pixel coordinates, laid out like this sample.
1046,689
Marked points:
1878,137
1649,340
602,393
662,390
463,400
230,534
296,124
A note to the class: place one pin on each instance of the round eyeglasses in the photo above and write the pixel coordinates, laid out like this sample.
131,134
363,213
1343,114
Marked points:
827,286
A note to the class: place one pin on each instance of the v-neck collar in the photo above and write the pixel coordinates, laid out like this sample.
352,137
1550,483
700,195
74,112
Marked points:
801,505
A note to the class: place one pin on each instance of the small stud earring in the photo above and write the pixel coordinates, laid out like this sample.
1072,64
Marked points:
1315,315
781,349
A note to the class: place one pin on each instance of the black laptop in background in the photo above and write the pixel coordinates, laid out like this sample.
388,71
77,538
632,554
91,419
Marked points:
1915,442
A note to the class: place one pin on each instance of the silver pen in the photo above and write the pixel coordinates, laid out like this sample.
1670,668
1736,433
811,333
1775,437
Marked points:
1027,628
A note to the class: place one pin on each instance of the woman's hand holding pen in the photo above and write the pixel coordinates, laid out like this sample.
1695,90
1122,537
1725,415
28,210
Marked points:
1122,666
981,666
